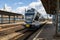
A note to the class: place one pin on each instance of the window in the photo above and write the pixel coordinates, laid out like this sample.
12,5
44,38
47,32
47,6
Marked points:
5,19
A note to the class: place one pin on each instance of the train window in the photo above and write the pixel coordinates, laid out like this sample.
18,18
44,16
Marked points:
36,18
29,17
5,19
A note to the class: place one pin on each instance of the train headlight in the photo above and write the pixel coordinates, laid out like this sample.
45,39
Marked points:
27,25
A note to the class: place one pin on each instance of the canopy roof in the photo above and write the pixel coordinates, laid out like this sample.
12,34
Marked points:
9,13
50,6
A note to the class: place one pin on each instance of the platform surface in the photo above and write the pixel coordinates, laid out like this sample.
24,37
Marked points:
47,32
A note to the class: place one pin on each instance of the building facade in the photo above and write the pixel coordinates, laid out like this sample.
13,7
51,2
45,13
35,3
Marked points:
9,17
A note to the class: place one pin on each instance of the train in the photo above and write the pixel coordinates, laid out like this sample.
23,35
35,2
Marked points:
32,19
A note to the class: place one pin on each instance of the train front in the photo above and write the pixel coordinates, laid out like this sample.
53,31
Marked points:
29,17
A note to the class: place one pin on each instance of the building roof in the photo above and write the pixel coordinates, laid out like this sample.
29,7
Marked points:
50,6
8,13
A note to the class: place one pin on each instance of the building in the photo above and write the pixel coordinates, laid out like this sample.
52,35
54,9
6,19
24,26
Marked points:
9,17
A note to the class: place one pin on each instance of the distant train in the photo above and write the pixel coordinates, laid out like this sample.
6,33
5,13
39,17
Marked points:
32,19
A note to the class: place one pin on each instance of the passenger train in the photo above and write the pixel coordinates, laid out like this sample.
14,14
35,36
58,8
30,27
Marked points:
32,19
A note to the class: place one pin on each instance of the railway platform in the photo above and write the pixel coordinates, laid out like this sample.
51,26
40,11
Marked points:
47,32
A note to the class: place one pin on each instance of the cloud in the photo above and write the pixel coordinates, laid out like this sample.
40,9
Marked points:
37,5
21,9
38,0
19,3
6,8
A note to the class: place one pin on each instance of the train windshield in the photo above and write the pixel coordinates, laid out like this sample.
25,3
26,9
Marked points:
29,17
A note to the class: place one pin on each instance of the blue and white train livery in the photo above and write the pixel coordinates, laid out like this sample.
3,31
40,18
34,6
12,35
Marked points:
32,19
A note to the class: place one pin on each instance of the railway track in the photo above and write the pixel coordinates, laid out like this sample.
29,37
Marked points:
25,34
12,35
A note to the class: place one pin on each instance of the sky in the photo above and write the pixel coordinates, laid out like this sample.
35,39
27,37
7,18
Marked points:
19,6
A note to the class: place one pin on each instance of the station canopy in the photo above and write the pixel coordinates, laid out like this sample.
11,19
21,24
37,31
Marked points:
50,6
9,13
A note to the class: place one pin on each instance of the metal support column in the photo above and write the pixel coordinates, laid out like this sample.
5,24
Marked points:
14,18
56,24
17,18
9,18
57,12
